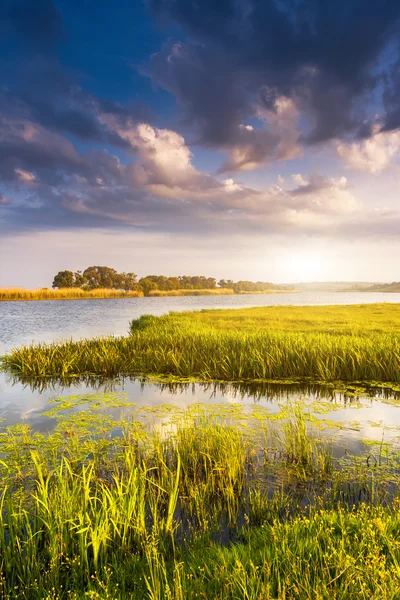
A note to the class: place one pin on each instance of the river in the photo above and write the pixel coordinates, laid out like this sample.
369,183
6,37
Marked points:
45,321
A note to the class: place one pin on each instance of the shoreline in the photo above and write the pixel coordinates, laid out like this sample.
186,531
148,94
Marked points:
160,294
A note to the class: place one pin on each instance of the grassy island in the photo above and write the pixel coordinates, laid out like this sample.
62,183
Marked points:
324,343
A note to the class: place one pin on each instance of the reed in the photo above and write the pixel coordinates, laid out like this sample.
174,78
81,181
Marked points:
207,346
9,294
194,513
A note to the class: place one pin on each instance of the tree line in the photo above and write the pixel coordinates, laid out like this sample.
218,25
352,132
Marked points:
96,277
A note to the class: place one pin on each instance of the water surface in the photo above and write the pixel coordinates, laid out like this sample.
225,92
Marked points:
49,320
373,416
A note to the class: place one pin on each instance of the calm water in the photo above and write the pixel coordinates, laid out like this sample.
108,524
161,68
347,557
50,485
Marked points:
24,322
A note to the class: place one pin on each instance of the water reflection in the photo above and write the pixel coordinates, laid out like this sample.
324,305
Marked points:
240,390
356,412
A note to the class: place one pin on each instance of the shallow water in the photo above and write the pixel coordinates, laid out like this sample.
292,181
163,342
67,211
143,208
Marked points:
348,419
371,416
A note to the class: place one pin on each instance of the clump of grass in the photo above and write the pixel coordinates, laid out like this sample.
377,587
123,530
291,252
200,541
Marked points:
186,514
7,294
181,346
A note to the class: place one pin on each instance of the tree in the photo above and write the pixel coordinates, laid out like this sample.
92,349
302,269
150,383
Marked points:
127,281
64,279
79,279
101,277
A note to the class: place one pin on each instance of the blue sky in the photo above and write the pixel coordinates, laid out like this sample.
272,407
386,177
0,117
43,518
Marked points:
241,139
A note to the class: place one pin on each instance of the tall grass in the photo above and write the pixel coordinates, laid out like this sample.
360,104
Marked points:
201,292
179,346
63,294
194,513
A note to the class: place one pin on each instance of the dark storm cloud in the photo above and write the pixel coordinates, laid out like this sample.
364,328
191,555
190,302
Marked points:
391,98
241,54
36,23
48,95
36,85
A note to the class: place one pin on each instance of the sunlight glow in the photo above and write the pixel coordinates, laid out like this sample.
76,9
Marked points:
305,266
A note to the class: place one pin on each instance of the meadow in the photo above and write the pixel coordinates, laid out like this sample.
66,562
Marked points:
211,503
358,343
11,294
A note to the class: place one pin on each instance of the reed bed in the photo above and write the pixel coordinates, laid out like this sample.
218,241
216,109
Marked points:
202,511
7,294
212,292
180,345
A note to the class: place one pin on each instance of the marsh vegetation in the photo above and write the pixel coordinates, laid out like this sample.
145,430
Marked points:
10,294
208,502
212,501
338,343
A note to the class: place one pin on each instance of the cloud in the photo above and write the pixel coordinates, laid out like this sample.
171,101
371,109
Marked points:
241,61
373,155
36,23
161,189
277,139
38,88
3,200
25,176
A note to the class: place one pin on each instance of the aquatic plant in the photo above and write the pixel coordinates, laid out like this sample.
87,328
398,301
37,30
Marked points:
350,344
190,510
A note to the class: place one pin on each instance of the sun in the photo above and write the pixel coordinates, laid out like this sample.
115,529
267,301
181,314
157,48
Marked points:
305,266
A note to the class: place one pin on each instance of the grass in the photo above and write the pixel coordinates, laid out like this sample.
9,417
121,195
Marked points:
200,509
335,343
203,292
9,294
359,319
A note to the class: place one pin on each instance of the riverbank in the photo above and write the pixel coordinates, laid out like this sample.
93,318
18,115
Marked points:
358,343
213,292
15,294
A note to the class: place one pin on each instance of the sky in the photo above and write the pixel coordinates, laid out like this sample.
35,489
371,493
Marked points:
238,139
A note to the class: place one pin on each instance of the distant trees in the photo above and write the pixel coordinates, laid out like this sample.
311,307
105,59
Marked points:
185,282
96,277
64,279
250,286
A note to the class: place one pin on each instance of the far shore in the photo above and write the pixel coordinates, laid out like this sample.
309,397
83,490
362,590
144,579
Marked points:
21,294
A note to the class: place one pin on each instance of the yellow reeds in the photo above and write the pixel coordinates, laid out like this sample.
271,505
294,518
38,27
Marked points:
63,294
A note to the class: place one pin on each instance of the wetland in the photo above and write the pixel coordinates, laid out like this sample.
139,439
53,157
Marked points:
215,454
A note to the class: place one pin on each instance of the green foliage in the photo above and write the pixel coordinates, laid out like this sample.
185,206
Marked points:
353,343
94,278
106,278
250,287
64,279
193,512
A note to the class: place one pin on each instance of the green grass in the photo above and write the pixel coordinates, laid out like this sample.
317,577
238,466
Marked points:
200,509
334,343
358,319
